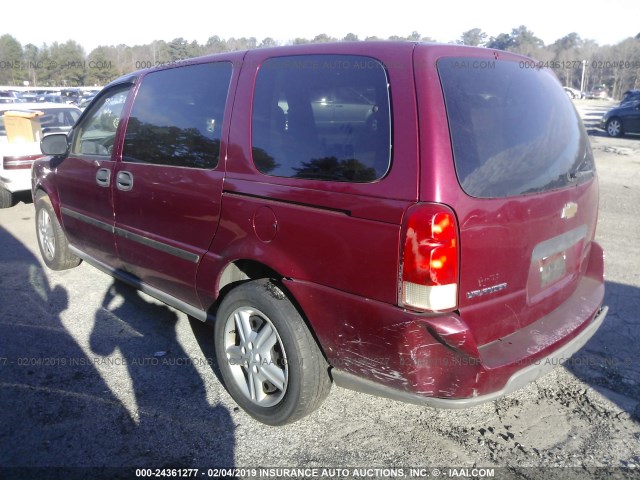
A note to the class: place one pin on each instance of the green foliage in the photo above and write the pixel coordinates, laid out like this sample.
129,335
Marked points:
568,42
520,40
616,67
474,37
67,64
30,57
215,45
11,56
323,38
268,42
178,49
504,41
102,66
68,67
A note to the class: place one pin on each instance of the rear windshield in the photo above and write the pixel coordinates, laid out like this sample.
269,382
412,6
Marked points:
513,129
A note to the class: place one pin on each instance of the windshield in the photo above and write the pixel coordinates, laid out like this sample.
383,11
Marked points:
513,129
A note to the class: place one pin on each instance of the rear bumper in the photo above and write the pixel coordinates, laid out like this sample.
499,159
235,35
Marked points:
18,180
434,359
519,379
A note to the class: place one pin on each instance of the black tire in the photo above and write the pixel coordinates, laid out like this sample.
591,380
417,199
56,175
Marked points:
6,198
52,241
614,127
288,372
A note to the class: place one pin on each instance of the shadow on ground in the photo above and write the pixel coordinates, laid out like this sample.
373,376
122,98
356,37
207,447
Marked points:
58,404
610,361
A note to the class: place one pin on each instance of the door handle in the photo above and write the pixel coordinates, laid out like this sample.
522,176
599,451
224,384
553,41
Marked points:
124,181
103,177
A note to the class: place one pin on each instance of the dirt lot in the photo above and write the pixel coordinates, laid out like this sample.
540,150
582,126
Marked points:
96,375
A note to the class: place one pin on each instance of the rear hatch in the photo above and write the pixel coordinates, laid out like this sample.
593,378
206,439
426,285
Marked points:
523,187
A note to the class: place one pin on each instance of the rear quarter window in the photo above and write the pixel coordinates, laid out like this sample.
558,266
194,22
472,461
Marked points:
513,129
322,117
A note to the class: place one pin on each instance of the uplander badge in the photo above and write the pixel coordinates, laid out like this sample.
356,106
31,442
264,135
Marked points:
486,291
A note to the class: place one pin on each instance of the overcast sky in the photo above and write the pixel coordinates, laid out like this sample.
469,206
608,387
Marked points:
134,22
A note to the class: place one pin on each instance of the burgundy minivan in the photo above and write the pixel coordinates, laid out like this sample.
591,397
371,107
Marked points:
410,220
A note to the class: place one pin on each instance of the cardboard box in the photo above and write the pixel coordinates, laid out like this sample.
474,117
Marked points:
23,126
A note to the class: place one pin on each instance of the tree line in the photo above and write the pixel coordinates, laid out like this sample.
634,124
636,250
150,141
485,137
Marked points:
66,64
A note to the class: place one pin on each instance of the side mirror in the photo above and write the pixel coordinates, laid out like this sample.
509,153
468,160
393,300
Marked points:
54,144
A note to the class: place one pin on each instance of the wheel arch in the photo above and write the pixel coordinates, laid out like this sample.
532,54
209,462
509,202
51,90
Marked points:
43,185
40,191
244,270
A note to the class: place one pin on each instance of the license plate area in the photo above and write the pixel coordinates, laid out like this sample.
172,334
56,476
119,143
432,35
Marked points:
552,269
555,265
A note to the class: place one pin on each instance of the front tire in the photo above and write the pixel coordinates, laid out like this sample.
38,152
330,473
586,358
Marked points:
52,241
269,361
614,127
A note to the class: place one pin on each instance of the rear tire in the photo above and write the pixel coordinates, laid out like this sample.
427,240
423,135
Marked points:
52,241
269,361
6,198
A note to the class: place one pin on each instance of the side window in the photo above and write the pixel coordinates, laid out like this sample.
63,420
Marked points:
177,116
97,132
322,117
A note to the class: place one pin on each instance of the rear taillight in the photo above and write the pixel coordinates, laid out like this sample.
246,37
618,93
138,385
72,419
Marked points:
19,162
429,258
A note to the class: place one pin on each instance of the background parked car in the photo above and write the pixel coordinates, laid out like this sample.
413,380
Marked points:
598,93
622,119
573,93
85,100
17,157
14,97
71,95
28,97
630,96
50,98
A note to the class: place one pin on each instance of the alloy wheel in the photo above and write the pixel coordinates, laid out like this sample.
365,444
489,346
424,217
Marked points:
614,128
46,234
256,356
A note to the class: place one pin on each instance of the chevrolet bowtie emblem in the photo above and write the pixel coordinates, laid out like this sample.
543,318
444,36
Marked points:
569,210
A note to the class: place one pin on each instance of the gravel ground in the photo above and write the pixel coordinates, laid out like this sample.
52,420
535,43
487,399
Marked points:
96,376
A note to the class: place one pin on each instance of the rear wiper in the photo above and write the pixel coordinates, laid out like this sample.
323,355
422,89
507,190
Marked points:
580,173
577,172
